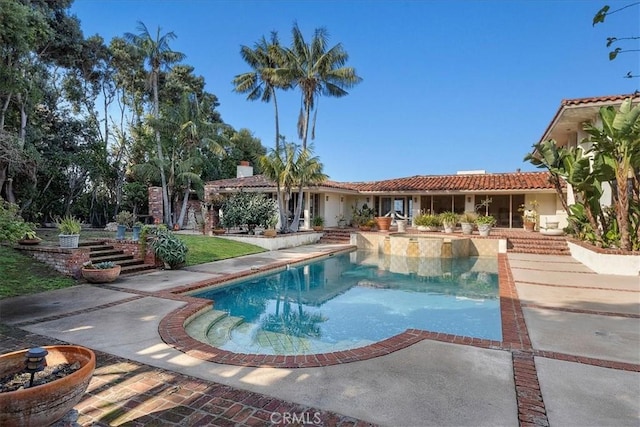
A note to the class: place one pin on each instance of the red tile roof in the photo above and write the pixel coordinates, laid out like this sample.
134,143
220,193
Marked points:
598,99
420,183
453,183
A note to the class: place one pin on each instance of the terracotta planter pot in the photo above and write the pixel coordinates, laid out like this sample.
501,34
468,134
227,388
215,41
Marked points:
529,226
318,228
383,222
269,232
45,404
29,242
101,275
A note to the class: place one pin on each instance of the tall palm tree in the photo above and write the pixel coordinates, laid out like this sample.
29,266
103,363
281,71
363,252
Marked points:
158,54
315,71
260,83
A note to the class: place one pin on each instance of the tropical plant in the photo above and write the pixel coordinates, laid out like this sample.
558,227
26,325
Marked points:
68,225
169,248
158,53
617,142
316,71
363,216
530,214
307,170
260,83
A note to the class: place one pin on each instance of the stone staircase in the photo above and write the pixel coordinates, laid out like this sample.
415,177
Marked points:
536,243
102,251
337,235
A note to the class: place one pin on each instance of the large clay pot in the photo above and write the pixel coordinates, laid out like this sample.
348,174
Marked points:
45,404
101,275
383,222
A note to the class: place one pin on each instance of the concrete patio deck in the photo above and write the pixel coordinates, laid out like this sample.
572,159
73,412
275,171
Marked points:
578,361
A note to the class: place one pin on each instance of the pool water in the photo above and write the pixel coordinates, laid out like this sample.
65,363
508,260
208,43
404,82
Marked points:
355,299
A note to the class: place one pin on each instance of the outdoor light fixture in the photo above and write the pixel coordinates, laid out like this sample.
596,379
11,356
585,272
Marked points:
35,361
326,198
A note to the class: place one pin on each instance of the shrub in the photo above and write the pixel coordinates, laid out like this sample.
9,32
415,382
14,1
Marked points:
488,219
248,209
104,265
449,217
169,248
12,225
318,221
469,217
427,220
125,218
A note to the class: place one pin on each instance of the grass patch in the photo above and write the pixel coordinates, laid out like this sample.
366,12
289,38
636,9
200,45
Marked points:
206,249
22,275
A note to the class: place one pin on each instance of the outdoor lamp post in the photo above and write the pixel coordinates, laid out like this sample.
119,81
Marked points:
35,361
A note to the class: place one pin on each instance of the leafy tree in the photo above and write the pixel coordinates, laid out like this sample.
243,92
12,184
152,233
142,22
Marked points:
307,170
600,17
316,71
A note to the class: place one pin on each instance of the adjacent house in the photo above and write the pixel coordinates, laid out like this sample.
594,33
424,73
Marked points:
499,194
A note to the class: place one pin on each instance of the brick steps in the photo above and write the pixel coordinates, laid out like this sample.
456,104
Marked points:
336,235
536,243
102,252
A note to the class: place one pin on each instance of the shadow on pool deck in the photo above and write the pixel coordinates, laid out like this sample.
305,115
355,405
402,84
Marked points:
580,355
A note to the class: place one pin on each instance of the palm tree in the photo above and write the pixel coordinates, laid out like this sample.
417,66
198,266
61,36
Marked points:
184,126
158,54
316,71
307,170
277,165
264,58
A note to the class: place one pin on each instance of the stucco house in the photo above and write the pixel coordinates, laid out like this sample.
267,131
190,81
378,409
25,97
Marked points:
460,192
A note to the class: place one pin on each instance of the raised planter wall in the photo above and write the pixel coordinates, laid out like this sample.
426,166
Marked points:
603,262
279,242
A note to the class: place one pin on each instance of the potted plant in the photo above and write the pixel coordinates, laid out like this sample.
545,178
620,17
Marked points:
363,216
449,220
317,223
484,223
467,221
169,248
529,216
69,228
44,404
101,272
137,227
30,238
427,222
342,221
125,220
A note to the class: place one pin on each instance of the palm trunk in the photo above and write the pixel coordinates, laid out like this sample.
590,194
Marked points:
622,211
166,205
185,200
296,218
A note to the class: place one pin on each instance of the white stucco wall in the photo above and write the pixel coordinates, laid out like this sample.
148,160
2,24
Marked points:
623,265
278,242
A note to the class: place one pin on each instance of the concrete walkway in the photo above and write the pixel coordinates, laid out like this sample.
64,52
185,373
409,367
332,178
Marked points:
584,330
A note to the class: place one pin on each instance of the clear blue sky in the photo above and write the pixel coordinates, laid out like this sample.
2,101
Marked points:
448,85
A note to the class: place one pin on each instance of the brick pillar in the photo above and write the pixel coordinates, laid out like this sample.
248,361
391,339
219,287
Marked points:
156,209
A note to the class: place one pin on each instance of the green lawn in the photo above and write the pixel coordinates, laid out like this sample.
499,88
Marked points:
22,275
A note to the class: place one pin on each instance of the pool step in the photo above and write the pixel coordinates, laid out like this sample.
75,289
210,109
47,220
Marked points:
199,326
219,331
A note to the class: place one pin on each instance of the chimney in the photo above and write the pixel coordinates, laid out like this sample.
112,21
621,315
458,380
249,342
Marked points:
244,169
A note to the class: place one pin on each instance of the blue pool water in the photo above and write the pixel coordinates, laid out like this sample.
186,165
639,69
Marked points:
355,299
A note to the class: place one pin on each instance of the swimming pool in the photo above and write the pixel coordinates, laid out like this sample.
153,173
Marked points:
352,300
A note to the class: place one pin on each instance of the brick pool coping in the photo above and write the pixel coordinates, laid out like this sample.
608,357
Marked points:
172,329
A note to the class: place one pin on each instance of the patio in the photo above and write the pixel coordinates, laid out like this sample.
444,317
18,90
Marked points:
571,356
